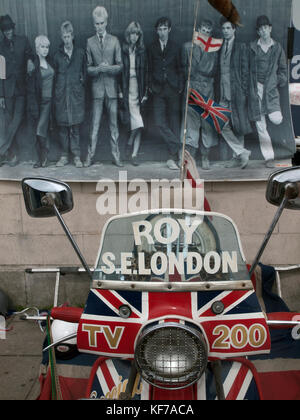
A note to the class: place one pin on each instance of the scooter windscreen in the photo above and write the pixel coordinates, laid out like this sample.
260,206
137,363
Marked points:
170,246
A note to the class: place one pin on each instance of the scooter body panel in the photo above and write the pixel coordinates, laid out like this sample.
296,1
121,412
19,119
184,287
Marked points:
109,377
240,329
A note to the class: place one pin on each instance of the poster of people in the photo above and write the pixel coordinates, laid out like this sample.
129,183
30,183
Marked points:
89,88
295,71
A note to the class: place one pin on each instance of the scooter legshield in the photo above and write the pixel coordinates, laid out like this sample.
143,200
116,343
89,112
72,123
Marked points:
109,378
239,330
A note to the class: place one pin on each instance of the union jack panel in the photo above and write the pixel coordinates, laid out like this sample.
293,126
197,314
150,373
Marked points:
238,380
111,377
239,330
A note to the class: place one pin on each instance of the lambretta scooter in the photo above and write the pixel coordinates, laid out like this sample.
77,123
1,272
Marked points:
172,309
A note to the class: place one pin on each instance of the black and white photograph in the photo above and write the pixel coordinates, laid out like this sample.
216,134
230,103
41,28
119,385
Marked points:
89,88
149,188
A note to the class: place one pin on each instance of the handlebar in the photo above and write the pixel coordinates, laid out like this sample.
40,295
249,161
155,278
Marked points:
62,313
61,270
58,271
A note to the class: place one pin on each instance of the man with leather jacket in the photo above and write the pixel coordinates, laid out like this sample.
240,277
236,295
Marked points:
18,57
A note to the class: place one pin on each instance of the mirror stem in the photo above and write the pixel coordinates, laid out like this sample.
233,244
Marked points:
73,243
269,234
291,192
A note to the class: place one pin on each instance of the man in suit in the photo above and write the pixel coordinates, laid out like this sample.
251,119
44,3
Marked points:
232,93
166,84
202,74
18,57
104,63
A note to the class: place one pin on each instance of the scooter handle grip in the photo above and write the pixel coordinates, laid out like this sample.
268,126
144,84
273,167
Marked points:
67,314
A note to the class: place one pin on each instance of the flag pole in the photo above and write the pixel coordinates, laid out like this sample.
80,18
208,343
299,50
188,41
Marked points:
188,92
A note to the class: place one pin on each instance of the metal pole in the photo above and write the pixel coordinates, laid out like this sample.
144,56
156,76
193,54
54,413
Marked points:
217,371
127,395
73,243
269,234
291,192
188,92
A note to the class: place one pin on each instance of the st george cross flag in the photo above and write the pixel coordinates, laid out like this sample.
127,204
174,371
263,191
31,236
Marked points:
2,68
216,115
207,43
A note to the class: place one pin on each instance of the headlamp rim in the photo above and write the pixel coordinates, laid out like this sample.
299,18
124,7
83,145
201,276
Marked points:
150,329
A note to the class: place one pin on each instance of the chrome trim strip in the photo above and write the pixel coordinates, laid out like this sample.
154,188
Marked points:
172,286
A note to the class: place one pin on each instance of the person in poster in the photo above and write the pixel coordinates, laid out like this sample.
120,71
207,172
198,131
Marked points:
166,85
18,57
232,88
134,86
39,86
46,17
268,72
202,76
104,64
70,69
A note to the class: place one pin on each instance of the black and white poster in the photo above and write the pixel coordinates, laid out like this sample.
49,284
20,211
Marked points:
89,89
295,68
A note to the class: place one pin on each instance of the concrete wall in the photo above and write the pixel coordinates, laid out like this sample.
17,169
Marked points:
27,242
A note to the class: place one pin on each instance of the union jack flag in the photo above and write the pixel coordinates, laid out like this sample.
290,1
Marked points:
114,335
240,382
109,379
216,115
239,377
274,376
207,43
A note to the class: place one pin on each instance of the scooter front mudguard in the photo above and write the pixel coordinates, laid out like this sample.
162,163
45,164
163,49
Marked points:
109,378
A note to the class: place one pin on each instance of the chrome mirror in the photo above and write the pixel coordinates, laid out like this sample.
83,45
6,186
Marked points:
46,197
41,194
284,184
283,192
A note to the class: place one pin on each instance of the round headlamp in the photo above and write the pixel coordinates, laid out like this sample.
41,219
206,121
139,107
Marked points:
171,355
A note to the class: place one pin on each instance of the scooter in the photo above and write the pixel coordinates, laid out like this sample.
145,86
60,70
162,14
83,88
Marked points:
172,310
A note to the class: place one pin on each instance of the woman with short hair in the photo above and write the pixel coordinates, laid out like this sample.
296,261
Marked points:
39,98
134,85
